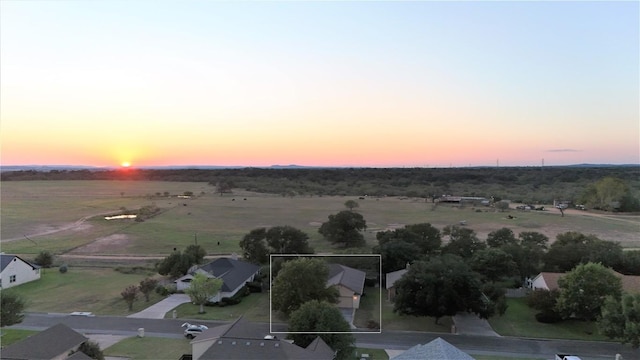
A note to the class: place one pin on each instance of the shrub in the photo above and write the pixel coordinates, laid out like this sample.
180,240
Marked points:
370,282
548,317
162,290
44,259
63,268
92,350
543,300
254,286
372,324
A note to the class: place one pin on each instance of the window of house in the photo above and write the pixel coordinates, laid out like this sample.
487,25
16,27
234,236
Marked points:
12,278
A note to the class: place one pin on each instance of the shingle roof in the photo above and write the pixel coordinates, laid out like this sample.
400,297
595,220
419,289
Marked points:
6,259
319,346
244,340
232,272
346,276
436,349
630,283
48,344
394,276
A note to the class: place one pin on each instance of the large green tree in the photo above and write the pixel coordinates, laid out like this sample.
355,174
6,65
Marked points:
501,237
462,241
325,319
259,243
176,264
196,252
440,286
573,248
344,228
583,290
201,289
610,193
301,280
254,247
620,319
11,308
493,264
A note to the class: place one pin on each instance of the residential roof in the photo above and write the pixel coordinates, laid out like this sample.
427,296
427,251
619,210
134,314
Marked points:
79,355
6,259
348,277
232,272
394,276
244,340
48,344
630,283
436,349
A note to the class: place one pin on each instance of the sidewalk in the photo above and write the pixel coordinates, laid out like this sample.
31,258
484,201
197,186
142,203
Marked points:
471,324
158,310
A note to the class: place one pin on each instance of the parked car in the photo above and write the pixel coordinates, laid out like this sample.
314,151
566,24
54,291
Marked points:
192,331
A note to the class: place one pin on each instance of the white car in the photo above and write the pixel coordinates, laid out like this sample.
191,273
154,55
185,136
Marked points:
192,331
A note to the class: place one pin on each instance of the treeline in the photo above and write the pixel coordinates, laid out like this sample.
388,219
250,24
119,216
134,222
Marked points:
535,185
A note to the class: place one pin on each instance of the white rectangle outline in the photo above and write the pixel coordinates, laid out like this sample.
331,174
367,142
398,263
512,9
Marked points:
323,332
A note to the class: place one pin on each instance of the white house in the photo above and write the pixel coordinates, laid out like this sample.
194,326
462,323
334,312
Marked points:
233,272
16,271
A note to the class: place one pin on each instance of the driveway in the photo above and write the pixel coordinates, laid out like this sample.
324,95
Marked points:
471,324
159,309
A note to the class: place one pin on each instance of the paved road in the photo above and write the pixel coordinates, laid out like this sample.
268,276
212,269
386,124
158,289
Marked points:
393,340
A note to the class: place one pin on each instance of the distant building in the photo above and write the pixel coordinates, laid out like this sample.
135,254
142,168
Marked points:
16,271
549,281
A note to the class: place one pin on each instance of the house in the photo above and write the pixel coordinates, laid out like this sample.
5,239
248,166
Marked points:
436,349
58,342
16,271
549,281
350,284
233,272
243,340
391,279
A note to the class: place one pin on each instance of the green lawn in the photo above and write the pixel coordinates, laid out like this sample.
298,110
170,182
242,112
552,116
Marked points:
254,307
149,348
10,336
393,321
369,308
96,290
519,320
374,354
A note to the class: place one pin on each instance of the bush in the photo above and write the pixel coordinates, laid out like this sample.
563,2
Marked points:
63,268
92,350
229,301
372,324
370,282
44,259
543,300
162,290
254,286
548,317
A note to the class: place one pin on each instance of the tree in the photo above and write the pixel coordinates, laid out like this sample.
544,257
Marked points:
92,350
351,204
501,205
501,237
494,264
529,253
439,287
573,248
583,289
620,319
130,295
344,228
427,237
630,262
607,194
254,247
176,264
196,252
288,240
11,308
301,280
202,288
224,186
147,286
462,241
321,316
44,259
396,254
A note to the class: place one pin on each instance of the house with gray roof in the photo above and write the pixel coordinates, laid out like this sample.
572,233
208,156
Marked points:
350,284
233,272
247,341
58,342
15,271
390,281
436,349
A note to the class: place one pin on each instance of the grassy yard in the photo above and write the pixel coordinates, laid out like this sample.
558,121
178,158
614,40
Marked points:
519,320
393,321
96,290
369,308
10,336
147,348
374,354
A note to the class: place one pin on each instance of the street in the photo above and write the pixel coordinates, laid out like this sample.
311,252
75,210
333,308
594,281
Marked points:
393,340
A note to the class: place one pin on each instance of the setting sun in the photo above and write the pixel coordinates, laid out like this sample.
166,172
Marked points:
126,164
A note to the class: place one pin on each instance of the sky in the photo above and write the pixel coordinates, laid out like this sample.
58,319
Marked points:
324,83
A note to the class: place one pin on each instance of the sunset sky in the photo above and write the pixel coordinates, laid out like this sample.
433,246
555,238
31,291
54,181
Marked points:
378,84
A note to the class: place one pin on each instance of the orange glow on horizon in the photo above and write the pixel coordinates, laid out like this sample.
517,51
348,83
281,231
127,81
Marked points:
125,164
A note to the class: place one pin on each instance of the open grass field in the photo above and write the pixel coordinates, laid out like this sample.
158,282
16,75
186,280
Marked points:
135,348
10,336
519,320
96,290
65,217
